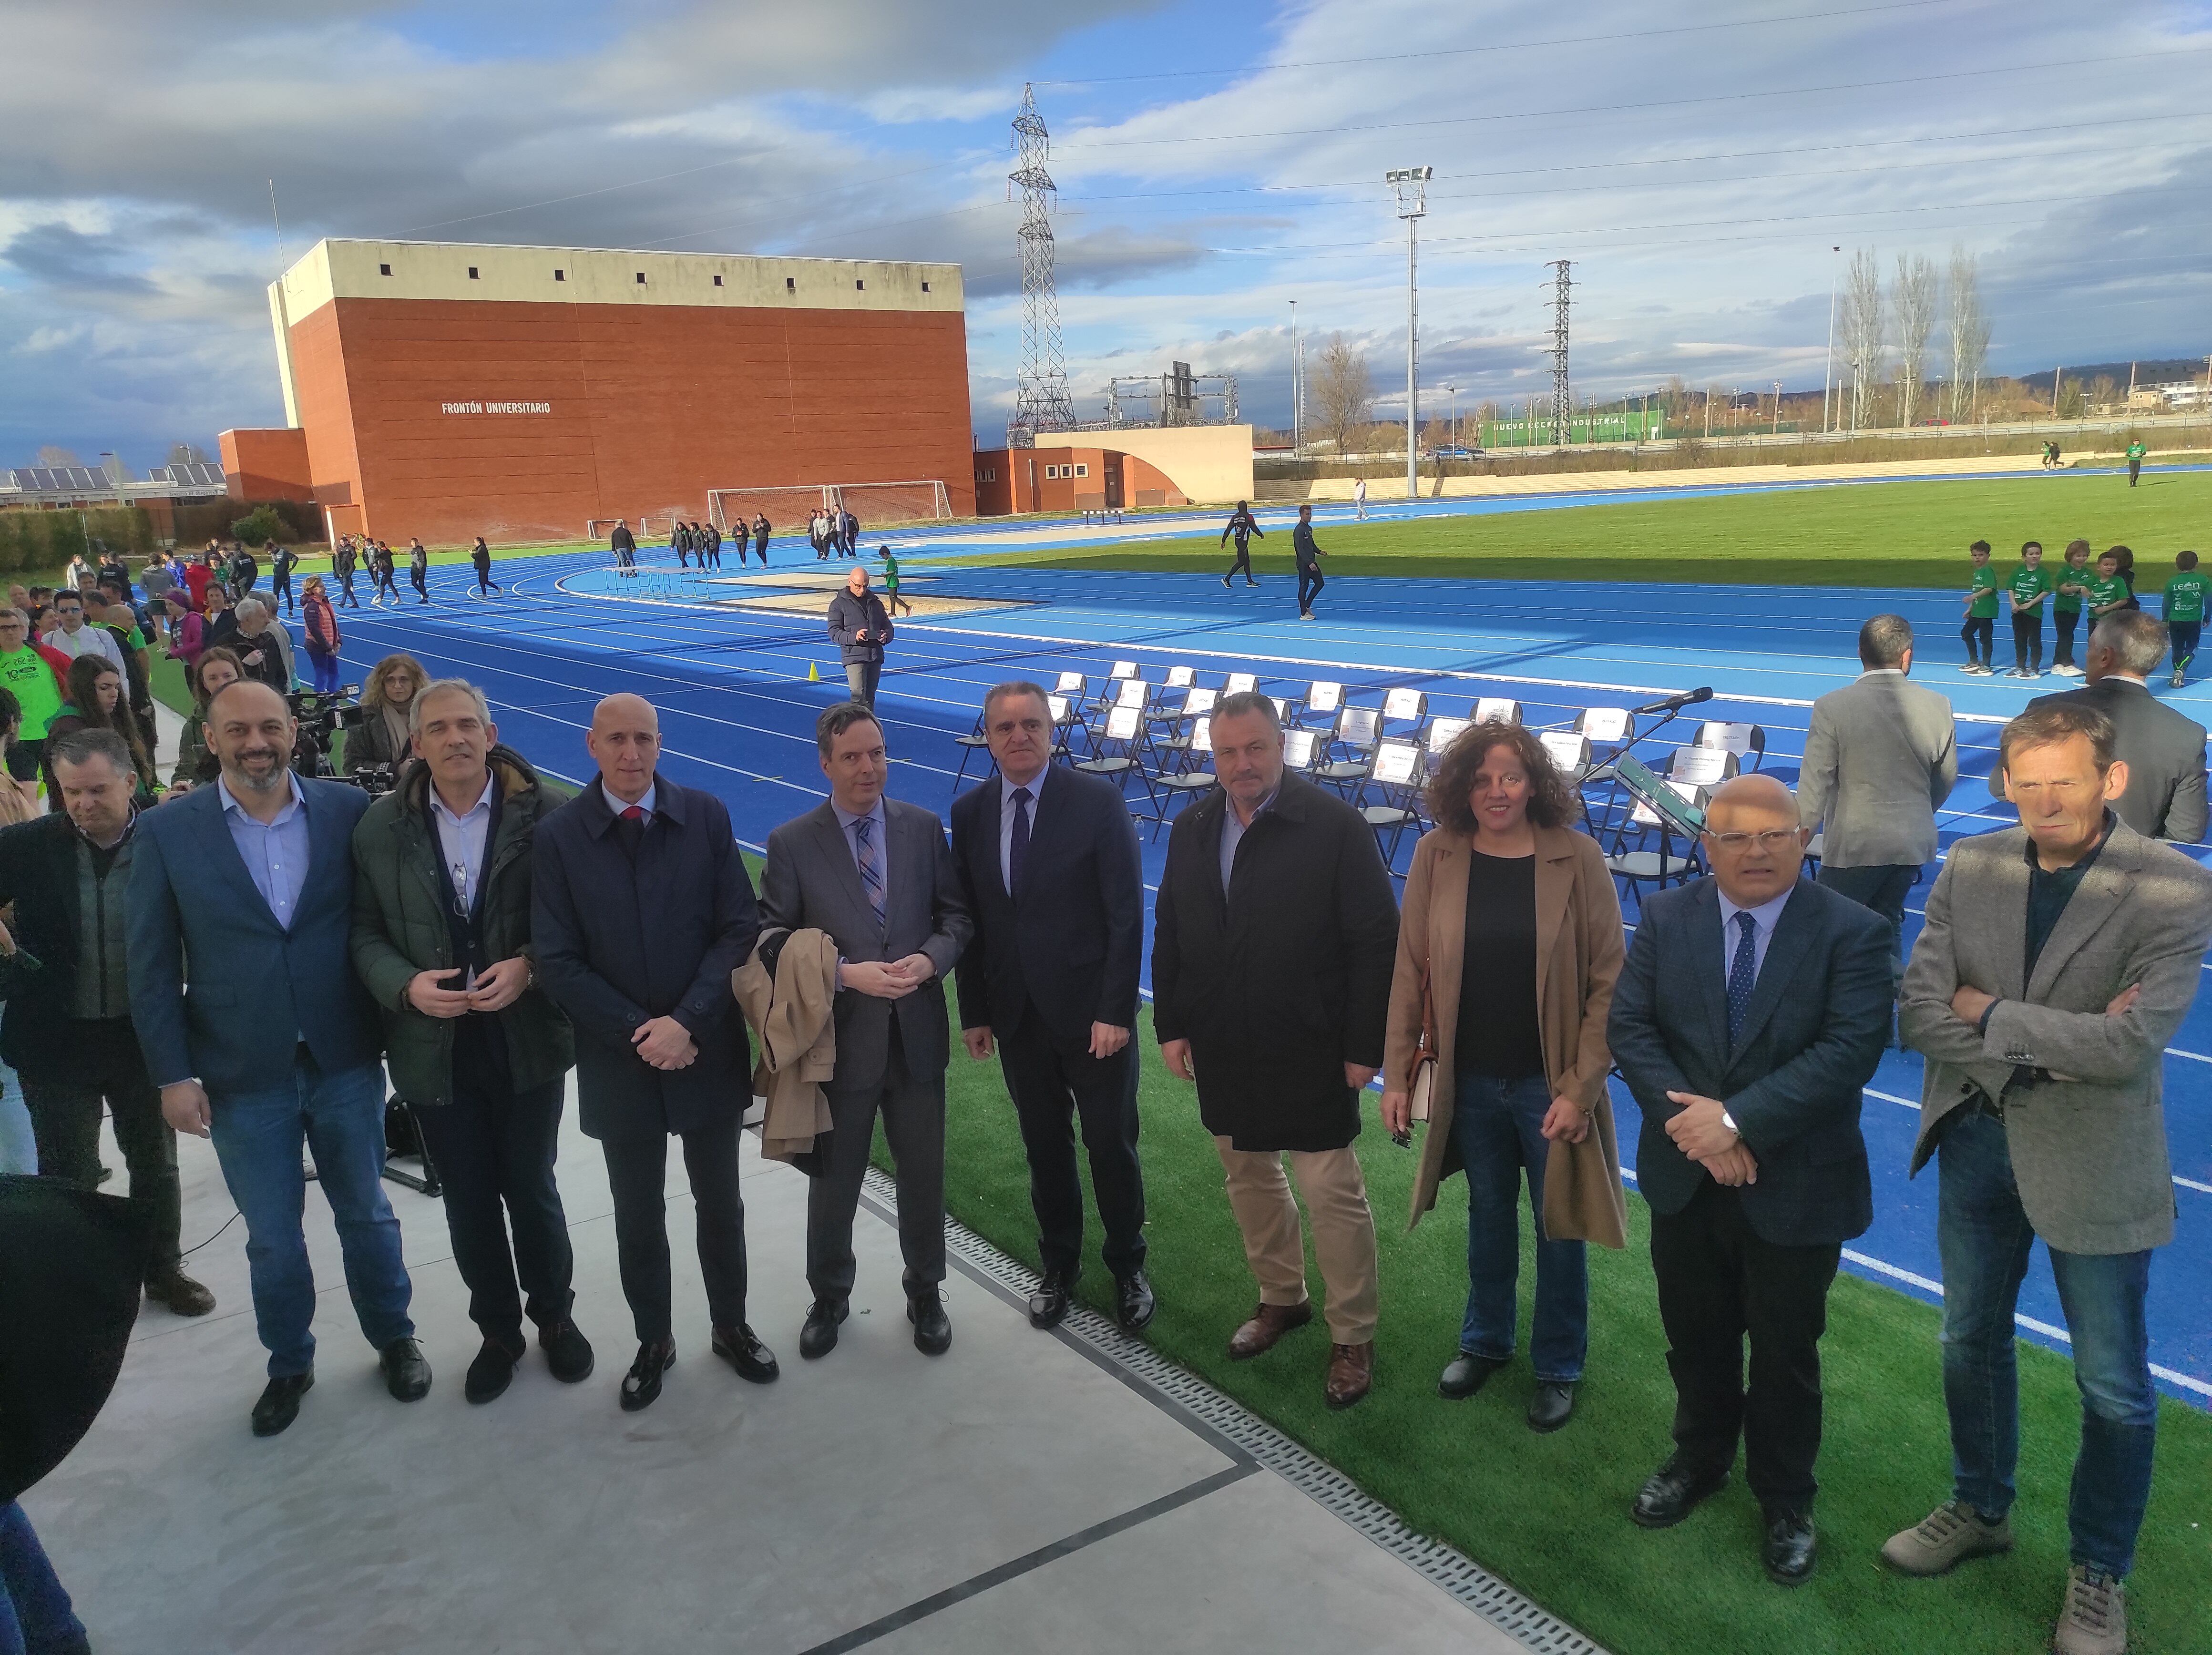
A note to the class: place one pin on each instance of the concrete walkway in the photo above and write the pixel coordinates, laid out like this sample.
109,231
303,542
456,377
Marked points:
1025,1492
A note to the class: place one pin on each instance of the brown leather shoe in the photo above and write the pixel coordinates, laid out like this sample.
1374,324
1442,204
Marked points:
1351,1374
1269,1325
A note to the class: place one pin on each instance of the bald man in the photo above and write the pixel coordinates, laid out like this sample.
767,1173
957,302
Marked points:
1752,1008
641,909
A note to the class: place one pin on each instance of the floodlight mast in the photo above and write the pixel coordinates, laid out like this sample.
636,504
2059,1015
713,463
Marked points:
1411,187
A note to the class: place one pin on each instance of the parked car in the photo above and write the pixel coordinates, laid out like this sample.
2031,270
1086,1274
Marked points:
1455,454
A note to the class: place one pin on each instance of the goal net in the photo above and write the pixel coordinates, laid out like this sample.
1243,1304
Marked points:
876,503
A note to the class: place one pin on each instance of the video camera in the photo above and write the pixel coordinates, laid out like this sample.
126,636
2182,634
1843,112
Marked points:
320,717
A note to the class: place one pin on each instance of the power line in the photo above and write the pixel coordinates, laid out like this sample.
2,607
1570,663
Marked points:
1509,46
1621,108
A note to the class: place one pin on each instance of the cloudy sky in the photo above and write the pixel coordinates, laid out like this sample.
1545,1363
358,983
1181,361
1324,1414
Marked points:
1217,161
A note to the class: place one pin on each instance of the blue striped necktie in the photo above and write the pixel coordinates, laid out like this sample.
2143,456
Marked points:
871,866
1742,972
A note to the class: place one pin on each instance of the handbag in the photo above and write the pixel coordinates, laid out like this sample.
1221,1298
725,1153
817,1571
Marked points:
1423,1090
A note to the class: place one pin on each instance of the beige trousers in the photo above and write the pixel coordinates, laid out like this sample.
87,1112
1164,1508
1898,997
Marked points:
1343,1231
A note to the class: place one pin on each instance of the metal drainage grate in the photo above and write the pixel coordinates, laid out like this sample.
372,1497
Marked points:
1456,1573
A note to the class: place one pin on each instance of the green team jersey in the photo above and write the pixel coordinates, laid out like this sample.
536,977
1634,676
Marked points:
2028,584
890,572
1985,606
2137,452
2102,591
2069,603
2184,594
32,680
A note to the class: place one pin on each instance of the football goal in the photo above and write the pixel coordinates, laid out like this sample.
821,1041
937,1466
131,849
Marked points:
875,504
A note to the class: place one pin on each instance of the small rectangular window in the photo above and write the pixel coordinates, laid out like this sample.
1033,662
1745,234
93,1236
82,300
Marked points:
1082,470
559,275
640,278
718,280
383,270
858,286
791,284
924,287
472,273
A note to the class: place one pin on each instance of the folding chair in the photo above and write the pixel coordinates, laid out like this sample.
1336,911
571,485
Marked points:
1498,709
1323,701
1241,683
1357,730
1074,686
1125,669
1181,677
970,744
1700,766
1185,783
1609,730
1747,740
1197,706
1664,866
1124,729
1300,748
1393,774
1406,707
1067,719
1443,732
1570,753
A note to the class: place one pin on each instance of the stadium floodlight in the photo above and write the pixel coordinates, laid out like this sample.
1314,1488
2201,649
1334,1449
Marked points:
1411,187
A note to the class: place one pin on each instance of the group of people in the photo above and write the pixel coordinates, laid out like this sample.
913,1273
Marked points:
2077,593
1304,551
833,532
688,540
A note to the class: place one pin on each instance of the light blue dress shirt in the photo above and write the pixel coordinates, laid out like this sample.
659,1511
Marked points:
1233,832
652,792
881,835
276,856
1763,919
1035,785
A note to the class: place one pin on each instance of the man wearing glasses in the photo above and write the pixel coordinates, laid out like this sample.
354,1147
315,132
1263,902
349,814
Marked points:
28,674
441,937
1752,1008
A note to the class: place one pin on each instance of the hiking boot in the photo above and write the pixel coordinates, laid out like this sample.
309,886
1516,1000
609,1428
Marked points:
1946,1537
2095,1619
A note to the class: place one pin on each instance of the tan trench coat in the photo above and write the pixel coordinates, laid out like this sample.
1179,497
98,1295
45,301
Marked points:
1579,951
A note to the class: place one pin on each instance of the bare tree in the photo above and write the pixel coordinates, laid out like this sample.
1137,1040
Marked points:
1913,294
49,454
1864,324
1342,390
1969,329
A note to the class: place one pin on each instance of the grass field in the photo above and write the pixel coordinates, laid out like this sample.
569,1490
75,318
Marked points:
1549,1513
1882,534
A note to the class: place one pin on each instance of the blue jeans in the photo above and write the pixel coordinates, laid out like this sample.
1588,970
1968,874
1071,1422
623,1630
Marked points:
1985,1236
325,670
257,1136
19,1150
35,1615
1497,1128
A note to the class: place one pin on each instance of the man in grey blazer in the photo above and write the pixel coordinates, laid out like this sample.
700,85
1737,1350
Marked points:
878,875
1881,756
2162,749
2057,960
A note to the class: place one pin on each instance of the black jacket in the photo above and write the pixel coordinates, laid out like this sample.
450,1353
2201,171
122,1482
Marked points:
2165,755
1243,526
1069,941
619,941
622,540
1286,979
1810,1041
39,875
1302,547
849,614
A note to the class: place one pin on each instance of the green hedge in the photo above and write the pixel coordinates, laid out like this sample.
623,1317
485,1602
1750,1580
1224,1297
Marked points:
31,538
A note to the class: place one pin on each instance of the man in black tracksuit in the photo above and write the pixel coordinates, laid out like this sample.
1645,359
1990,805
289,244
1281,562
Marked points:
1308,556
1241,525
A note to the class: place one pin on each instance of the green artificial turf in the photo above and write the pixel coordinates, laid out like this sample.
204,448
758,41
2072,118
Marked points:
1911,533
1550,1513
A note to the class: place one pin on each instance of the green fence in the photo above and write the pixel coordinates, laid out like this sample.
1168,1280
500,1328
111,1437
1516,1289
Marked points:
1632,426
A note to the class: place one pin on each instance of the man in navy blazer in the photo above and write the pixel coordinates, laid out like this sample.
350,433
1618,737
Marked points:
640,911
1049,866
258,1033
1752,1008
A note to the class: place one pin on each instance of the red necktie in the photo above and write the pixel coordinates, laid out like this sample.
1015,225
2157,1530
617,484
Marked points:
635,813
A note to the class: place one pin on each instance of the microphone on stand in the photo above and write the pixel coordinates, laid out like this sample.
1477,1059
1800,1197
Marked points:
1676,703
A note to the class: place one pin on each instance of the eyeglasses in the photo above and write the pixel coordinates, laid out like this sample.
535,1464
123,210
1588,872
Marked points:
460,873
1774,839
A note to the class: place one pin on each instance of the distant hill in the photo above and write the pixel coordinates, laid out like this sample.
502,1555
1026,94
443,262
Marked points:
2146,372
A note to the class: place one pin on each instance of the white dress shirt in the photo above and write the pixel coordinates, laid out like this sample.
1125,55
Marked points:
1035,785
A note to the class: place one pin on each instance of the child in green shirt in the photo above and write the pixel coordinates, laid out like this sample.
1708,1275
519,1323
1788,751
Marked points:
2066,606
2029,586
2184,612
2137,454
892,601
1981,608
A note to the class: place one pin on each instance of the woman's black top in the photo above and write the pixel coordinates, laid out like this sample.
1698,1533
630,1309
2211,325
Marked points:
1497,1035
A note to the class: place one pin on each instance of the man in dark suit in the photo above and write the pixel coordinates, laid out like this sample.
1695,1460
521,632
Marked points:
1049,867
877,876
258,1033
640,911
860,627
1752,1008
2163,750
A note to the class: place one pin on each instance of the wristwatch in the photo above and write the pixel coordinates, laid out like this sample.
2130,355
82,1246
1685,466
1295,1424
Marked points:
1728,1121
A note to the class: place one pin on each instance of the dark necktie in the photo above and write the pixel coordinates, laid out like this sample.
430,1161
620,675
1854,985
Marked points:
630,830
870,865
1017,849
1742,973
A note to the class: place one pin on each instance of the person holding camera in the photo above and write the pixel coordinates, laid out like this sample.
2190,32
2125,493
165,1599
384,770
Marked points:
441,937
380,741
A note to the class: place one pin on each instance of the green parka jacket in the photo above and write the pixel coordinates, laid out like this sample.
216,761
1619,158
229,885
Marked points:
399,928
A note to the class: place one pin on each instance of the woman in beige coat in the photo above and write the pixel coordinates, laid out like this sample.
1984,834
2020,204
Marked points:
1510,939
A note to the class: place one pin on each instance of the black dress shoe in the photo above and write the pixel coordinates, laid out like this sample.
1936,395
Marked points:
1055,1295
932,1328
1465,1374
1674,1492
819,1336
1133,1301
568,1353
1551,1406
754,1361
640,1386
1791,1549
406,1371
279,1404
493,1370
